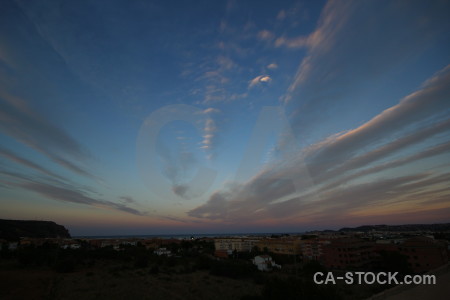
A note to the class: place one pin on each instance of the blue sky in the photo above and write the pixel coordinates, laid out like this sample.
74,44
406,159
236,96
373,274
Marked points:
135,117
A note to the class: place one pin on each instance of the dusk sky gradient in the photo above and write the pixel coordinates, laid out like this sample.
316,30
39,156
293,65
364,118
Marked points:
267,116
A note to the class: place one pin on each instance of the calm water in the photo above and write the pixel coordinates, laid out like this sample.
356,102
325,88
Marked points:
183,236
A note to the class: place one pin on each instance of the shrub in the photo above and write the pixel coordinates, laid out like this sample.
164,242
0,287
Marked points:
65,265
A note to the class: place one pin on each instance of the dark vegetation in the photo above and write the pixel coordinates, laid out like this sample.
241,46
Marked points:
191,258
391,261
191,273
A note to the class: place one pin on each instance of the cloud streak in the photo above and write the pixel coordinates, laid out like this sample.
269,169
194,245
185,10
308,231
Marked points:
20,122
74,196
210,129
66,193
23,161
336,68
419,106
348,178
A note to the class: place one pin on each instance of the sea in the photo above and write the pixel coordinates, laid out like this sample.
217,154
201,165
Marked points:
187,236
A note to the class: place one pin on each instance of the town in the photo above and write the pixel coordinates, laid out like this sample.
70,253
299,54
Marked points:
339,250
264,266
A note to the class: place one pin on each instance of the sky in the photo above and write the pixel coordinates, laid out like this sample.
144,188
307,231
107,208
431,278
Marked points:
179,117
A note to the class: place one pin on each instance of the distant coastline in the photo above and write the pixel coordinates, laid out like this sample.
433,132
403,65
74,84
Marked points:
363,228
184,236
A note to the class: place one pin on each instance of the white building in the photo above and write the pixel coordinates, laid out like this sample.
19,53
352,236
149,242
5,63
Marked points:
162,251
13,245
75,246
238,244
265,263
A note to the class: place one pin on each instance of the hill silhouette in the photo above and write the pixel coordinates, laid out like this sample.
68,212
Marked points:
15,229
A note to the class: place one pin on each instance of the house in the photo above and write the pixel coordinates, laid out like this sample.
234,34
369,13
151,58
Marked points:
265,263
75,246
222,253
162,251
13,246
129,243
70,244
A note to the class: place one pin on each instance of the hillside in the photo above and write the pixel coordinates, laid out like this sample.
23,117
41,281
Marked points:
407,227
15,229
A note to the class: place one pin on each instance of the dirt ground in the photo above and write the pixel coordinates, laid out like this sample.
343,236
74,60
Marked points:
111,281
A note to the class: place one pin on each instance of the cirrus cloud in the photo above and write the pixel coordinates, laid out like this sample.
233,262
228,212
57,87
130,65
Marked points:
346,182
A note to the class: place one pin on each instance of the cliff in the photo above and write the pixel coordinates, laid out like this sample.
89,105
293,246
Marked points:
15,229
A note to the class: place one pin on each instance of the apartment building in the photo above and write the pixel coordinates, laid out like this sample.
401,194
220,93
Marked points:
312,249
235,244
288,246
423,253
344,253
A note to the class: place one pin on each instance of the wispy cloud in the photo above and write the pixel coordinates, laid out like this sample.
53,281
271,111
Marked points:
259,80
281,15
65,192
266,35
334,43
294,43
419,106
20,122
127,199
75,196
378,153
346,180
210,110
216,77
209,132
225,63
23,161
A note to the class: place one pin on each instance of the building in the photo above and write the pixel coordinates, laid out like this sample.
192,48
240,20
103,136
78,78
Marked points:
235,244
163,251
345,253
110,243
70,246
13,246
222,253
265,263
287,246
312,249
423,253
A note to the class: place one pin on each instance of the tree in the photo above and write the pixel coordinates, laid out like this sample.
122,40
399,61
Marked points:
392,261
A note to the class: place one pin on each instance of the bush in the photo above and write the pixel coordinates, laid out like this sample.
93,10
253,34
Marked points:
65,265
154,270
391,261
141,262
203,262
312,267
233,269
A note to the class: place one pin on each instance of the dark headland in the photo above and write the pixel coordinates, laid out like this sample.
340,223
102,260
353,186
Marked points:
13,230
